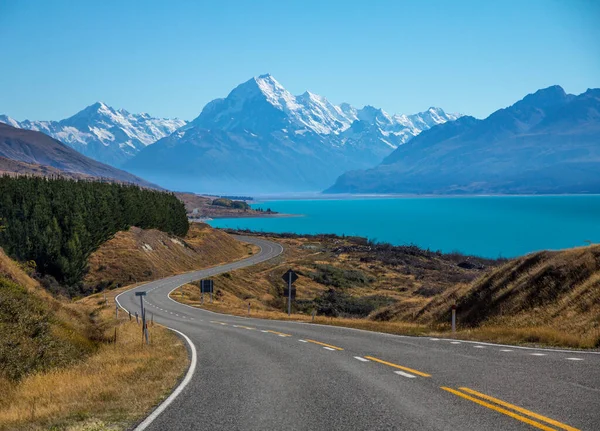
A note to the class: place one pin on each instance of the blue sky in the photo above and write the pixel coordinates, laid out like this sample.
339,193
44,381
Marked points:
169,58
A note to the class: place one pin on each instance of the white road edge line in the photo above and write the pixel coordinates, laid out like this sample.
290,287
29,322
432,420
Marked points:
178,390
360,358
186,380
402,373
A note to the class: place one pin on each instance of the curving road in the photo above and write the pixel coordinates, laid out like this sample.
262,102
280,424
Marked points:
254,374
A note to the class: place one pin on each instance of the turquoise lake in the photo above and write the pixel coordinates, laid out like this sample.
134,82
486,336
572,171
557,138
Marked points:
504,226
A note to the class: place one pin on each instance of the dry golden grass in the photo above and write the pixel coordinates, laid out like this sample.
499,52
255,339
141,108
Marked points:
97,384
142,255
112,388
547,298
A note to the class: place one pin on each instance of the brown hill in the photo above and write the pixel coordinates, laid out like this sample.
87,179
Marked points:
552,294
140,255
36,148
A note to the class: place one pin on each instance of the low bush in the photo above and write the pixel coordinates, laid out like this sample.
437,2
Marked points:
330,275
338,304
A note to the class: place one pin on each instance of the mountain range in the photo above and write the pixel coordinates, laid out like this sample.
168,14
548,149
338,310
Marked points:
105,134
548,142
261,138
28,152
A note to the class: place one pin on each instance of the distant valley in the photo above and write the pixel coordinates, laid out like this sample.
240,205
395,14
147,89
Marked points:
258,139
262,139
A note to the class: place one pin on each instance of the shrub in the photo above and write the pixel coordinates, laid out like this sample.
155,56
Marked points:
329,275
339,304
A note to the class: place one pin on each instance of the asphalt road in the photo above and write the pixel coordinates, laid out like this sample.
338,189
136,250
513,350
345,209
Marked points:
254,374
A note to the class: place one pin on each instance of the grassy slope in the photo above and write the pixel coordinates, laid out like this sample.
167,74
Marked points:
140,255
59,365
549,298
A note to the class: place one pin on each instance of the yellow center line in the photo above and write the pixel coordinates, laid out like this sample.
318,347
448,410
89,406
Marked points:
279,333
410,370
520,409
323,344
499,410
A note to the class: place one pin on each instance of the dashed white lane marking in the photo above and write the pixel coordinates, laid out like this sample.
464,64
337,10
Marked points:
574,359
303,341
283,335
329,348
262,330
235,326
537,354
402,373
479,347
455,342
505,350
434,339
361,359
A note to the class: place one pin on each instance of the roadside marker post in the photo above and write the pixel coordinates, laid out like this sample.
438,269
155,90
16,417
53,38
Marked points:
454,318
290,277
117,310
144,324
136,317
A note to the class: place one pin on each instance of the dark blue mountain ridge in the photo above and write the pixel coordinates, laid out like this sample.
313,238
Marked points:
548,142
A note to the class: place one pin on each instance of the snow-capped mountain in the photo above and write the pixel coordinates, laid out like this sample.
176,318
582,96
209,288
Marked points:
264,96
103,133
262,138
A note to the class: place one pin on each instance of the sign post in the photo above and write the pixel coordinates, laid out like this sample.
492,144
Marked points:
290,277
144,327
454,318
207,286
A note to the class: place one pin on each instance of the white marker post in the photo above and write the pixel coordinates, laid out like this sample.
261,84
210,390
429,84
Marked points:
454,318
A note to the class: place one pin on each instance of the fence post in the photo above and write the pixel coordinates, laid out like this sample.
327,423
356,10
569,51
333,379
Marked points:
136,318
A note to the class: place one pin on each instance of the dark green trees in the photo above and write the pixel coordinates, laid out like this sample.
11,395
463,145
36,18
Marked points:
57,223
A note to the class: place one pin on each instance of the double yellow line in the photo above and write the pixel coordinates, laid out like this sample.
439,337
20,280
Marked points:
467,394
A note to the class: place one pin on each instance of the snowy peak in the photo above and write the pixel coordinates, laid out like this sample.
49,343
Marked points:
103,133
280,111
